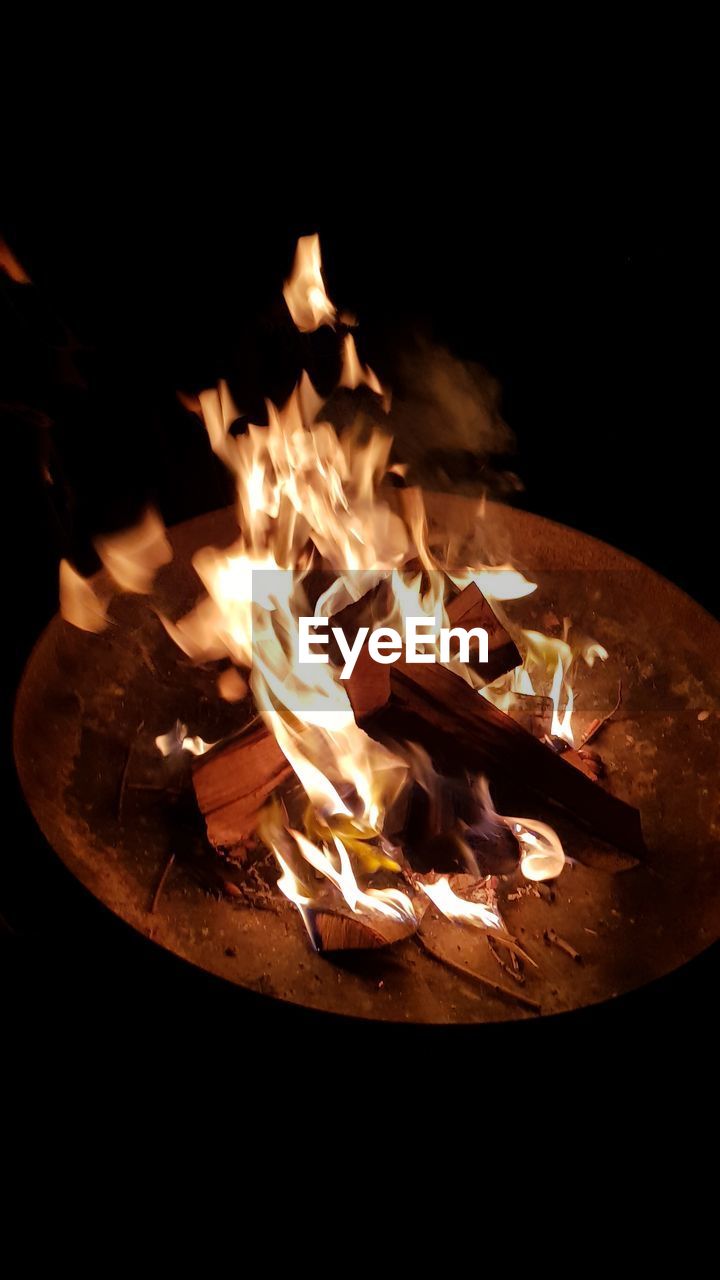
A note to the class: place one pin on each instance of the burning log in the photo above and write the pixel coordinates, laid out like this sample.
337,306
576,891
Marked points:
338,931
232,782
429,704
435,707
470,609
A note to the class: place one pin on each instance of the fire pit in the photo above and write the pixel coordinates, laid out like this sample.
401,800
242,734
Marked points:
360,771
124,820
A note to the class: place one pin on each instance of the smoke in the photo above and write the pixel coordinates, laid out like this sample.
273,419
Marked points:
447,423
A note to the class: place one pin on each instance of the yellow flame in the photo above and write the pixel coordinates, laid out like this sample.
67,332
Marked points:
307,498
496,582
133,557
460,909
354,374
541,854
304,291
79,602
177,739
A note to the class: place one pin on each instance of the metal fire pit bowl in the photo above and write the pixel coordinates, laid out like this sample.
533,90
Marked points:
90,706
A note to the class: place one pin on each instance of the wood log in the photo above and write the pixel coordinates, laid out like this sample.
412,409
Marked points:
467,608
435,707
338,931
232,782
428,704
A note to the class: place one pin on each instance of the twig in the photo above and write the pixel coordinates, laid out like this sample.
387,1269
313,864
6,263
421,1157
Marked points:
123,782
552,937
512,968
124,775
596,725
496,987
512,944
161,883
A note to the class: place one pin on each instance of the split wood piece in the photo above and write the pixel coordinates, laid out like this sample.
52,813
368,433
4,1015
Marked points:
467,609
368,687
338,931
232,784
470,609
435,707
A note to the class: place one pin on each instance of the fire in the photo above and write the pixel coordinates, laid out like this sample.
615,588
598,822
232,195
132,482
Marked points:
354,374
542,857
304,292
80,604
548,668
309,502
131,557
460,909
177,739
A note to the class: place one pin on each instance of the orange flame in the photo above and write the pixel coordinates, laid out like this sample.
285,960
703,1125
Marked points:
304,291
306,498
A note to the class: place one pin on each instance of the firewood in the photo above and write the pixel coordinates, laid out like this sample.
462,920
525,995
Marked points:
233,783
428,704
467,608
470,609
435,707
338,931
368,687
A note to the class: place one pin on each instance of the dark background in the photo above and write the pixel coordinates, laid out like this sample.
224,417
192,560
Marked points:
584,295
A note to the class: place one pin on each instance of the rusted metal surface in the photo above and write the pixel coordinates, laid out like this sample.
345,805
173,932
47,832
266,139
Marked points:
89,709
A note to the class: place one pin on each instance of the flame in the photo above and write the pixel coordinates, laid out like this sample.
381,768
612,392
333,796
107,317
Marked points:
308,498
304,292
496,582
334,865
79,602
460,909
354,374
133,557
547,669
10,265
177,739
541,854
231,686
302,491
